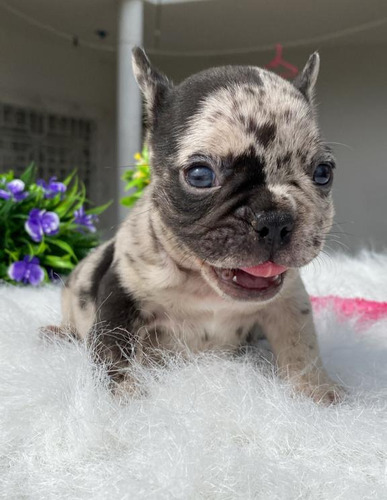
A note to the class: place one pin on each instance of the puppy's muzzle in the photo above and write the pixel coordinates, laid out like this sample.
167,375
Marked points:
274,229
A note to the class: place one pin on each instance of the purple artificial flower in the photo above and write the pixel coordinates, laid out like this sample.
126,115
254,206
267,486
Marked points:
6,195
52,188
41,222
14,190
27,271
85,221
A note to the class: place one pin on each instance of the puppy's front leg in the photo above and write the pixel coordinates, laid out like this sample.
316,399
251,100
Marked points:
288,325
115,337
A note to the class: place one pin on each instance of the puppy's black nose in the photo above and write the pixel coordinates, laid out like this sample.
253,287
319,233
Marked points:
274,228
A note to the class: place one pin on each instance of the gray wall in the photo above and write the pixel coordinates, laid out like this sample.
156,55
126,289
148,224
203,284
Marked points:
352,106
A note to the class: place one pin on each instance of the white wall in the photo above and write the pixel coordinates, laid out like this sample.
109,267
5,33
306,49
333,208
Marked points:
41,71
352,105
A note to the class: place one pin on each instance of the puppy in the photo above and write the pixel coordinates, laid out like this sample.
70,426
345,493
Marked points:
240,199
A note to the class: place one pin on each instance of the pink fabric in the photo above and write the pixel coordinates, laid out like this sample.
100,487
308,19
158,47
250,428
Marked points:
362,309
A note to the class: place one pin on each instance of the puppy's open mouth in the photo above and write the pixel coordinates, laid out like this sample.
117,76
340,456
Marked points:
251,283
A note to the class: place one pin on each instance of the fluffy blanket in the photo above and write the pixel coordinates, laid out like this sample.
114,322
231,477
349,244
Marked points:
211,428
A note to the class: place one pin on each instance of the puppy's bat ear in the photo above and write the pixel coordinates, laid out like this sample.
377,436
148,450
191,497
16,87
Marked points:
306,80
152,83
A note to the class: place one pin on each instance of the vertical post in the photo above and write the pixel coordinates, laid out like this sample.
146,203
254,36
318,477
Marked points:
129,108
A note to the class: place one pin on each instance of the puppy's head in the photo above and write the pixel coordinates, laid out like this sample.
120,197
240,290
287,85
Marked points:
240,176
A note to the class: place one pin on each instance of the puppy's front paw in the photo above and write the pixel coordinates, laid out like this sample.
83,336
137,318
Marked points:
128,388
53,332
326,394
322,389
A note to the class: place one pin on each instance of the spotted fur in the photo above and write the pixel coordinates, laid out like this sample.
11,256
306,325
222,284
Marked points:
152,285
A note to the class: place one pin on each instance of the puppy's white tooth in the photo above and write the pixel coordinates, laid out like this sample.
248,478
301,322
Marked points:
235,279
227,274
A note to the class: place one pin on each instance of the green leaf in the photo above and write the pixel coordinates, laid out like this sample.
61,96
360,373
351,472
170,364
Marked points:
128,201
14,255
69,178
71,197
98,210
29,174
57,262
31,250
64,246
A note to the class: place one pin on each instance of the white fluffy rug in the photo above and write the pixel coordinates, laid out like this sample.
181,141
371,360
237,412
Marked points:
209,429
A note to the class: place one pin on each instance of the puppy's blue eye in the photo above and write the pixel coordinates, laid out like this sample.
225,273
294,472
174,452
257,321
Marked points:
322,174
200,176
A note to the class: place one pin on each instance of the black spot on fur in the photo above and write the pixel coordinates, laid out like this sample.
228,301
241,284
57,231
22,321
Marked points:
250,337
239,332
242,119
284,161
101,269
287,158
302,155
245,170
288,114
235,106
316,241
129,258
251,126
218,114
305,311
295,184
266,133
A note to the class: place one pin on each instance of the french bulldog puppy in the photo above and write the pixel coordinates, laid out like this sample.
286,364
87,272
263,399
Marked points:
240,199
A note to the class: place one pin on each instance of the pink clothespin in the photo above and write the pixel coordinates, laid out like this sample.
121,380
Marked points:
278,61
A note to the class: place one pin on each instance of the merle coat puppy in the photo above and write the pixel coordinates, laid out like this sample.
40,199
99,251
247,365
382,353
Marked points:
240,199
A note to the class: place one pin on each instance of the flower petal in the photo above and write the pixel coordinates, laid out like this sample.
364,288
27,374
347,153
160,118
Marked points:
57,187
4,194
50,223
36,274
16,186
17,270
78,214
36,213
33,225
20,196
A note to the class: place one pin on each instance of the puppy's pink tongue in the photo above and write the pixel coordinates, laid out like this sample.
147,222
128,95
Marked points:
265,270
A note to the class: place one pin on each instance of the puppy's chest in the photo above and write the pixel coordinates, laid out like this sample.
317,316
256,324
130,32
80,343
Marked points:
199,329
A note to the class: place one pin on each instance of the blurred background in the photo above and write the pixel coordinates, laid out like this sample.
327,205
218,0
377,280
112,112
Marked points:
68,99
